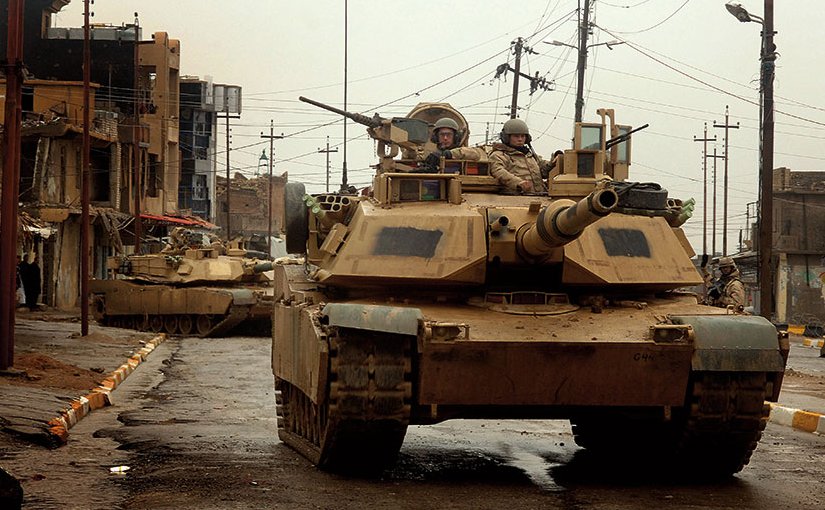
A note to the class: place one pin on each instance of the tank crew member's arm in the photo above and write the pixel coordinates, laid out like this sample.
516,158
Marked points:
465,153
500,163
547,167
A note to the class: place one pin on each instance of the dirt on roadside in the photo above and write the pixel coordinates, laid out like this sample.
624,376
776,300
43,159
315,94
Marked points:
44,371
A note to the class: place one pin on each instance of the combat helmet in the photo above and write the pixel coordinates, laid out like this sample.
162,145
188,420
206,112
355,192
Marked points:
727,262
514,127
446,122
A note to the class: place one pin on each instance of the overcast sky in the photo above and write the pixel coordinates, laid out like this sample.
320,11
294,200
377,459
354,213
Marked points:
684,61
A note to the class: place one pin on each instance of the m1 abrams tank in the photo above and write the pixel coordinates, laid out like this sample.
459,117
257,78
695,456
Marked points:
192,287
441,296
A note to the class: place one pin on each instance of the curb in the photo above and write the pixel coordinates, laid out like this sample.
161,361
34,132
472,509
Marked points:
100,396
805,421
810,342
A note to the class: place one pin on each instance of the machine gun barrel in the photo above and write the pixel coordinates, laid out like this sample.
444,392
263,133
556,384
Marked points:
623,137
564,220
373,122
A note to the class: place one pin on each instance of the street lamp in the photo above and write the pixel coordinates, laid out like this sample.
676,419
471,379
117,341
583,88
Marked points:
742,14
767,58
262,161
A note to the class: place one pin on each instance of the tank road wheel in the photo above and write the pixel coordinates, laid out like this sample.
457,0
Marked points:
156,323
170,324
99,310
360,425
203,324
711,437
142,323
186,324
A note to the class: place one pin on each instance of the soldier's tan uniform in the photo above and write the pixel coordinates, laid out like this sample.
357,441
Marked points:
510,166
733,292
469,153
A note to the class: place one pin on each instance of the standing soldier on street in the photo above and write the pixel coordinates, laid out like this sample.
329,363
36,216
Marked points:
728,289
513,162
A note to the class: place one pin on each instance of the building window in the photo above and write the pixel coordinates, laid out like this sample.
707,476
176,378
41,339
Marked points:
199,187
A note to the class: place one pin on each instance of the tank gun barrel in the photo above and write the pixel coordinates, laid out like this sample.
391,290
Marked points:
373,122
564,220
263,267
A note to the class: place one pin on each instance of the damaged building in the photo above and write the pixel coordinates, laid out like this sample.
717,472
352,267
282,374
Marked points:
798,250
249,203
135,118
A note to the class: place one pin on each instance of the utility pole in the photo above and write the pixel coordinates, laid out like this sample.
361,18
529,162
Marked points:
344,187
519,45
137,170
13,118
726,126
768,58
705,141
272,137
85,176
584,29
228,177
536,82
327,151
713,243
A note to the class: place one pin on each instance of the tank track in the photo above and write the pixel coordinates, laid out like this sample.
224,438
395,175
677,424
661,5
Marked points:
725,422
360,426
199,325
711,437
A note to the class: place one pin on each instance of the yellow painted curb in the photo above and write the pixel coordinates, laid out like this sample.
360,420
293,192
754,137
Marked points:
805,421
810,342
100,396
796,329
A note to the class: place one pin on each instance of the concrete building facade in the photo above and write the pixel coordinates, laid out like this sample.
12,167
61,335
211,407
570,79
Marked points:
198,147
52,139
799,246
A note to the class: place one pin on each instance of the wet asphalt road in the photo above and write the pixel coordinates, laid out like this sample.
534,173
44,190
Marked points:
195,425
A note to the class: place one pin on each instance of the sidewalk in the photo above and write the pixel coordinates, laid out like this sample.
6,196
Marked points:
59,376
802,400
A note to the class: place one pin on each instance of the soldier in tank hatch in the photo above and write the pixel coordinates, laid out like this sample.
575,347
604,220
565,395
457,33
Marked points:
513,162
447,136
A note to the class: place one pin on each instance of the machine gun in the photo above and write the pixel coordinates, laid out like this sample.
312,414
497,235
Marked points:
622,137
409,134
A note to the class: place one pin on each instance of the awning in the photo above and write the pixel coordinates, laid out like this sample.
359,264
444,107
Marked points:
189,221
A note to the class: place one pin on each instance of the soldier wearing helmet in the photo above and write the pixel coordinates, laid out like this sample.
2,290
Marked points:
513,162
728,289
447,136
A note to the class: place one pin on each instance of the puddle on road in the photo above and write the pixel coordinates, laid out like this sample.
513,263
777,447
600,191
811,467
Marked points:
536,467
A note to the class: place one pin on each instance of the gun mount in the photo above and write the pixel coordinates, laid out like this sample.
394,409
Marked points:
398,132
